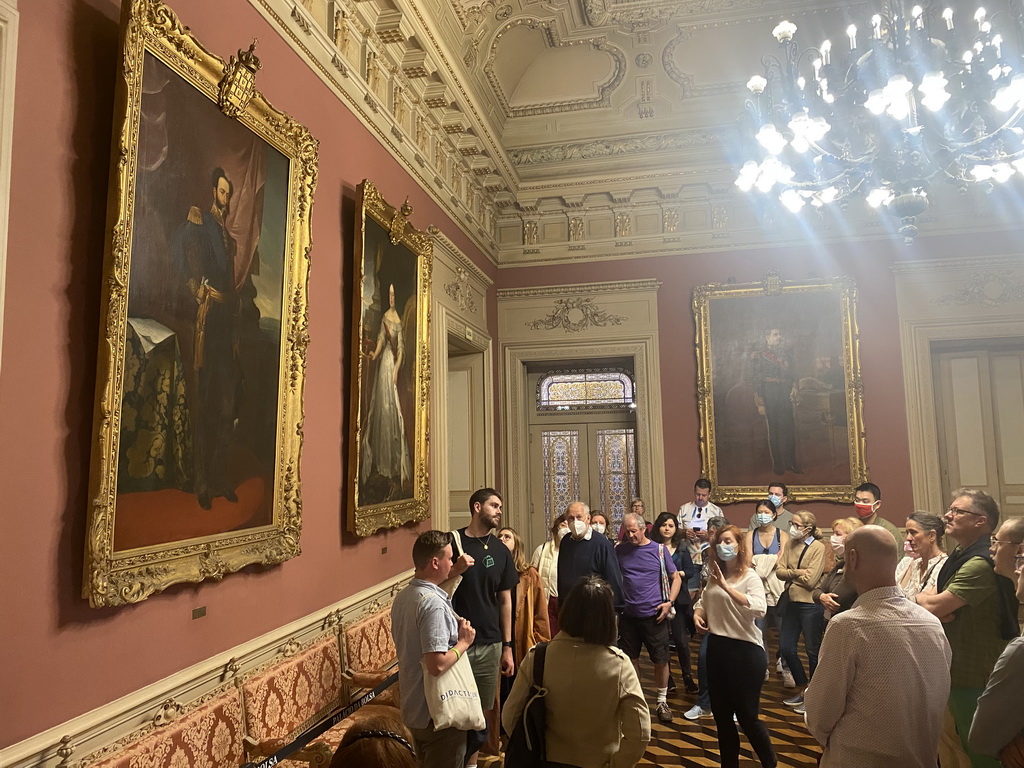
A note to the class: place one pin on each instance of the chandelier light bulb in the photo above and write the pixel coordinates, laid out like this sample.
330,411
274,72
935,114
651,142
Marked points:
947,16
933,88
851,32
792,200
1010,96
979,16
876,27
756,85
784,31
826,51
879,196
771,139
982,172
1002,172
917,14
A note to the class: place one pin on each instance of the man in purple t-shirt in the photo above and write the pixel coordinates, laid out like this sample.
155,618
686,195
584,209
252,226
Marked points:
646,617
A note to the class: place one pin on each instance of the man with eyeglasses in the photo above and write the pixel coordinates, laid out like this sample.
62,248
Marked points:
968,600
998,727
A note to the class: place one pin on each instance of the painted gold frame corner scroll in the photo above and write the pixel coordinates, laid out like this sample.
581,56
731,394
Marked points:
779,388
390,367
203,325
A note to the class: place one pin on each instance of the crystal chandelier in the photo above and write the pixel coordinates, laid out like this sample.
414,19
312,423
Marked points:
913,99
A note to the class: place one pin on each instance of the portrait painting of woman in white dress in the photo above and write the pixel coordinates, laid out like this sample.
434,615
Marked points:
385,447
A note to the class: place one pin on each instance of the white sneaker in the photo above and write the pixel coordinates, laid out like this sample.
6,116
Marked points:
696,711
778,665
767,675
787,679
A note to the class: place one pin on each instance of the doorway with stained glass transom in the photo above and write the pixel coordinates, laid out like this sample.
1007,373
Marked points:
582,443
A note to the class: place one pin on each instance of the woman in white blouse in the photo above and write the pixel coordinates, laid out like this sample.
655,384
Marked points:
545,560
733,599
924,556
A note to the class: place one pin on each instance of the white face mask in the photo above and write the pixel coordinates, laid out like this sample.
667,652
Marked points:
562,532
795,532
838,543
579,529
598,527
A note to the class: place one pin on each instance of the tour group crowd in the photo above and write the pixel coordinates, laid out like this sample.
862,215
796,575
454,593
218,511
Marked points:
910,657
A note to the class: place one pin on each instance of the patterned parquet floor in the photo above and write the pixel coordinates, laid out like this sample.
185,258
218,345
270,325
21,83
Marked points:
691,743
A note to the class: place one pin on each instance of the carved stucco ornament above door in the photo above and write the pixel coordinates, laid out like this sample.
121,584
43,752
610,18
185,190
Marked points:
460,291
987,289
575,315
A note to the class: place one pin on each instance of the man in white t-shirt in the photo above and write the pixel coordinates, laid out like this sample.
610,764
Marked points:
693,517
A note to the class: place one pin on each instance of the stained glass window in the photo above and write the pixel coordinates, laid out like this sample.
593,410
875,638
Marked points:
561,451
585,389
616,463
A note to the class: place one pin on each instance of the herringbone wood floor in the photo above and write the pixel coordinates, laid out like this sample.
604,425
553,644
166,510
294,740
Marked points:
692,743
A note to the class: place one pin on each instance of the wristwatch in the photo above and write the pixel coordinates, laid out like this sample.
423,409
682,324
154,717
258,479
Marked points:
506,643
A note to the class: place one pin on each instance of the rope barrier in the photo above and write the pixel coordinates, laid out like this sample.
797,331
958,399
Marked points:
323,726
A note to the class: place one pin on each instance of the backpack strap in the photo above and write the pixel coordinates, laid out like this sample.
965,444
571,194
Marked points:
538,664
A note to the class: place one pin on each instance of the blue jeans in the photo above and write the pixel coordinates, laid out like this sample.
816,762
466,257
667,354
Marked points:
704,697
808,619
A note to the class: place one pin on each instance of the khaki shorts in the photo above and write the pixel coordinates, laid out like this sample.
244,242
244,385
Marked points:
486,663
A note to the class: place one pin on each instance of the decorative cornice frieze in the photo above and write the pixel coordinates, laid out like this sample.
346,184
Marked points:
586,289
633,145
933,266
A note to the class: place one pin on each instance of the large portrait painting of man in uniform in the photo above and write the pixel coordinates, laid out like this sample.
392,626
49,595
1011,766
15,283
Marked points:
779,379
198,370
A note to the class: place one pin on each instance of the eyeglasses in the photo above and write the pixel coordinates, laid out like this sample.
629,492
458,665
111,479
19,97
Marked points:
994,541
956,511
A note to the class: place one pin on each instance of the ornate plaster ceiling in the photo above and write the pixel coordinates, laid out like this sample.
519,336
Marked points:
577,129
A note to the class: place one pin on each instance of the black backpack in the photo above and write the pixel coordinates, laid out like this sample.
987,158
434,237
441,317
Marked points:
526,747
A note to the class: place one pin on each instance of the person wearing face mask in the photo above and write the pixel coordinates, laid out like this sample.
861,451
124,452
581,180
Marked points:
998,726
835,593
666,531
545,560
599,522
919,569
766,541
778,494
867,500
583,552
693,519
736,658
801,568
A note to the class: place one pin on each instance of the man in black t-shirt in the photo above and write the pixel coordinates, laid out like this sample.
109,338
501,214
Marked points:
484,596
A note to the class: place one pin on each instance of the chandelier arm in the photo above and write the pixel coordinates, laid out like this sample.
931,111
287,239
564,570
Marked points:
988,137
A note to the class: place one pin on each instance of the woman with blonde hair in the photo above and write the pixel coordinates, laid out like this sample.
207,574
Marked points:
801,569
545,560
732,601
835,593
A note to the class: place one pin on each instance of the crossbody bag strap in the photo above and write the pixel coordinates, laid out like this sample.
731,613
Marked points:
538,664
799,561
664,574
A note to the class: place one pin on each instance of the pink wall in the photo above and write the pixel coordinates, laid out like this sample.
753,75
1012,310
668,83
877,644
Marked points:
60,657
881,366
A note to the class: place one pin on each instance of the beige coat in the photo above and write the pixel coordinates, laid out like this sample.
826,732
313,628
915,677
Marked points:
597,716
801,588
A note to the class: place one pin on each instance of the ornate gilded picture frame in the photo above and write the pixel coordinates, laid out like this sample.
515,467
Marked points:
198,428
390,367
779,388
